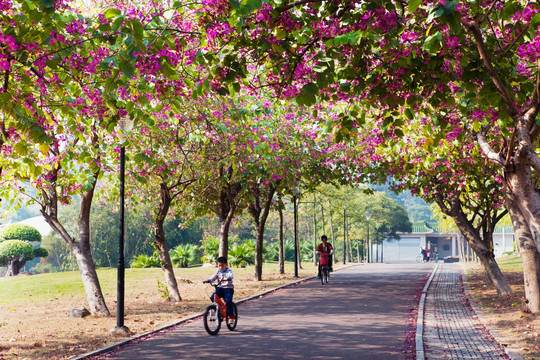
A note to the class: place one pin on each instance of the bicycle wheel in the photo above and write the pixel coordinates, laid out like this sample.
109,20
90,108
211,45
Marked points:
212,320
419,258
233,325
324,274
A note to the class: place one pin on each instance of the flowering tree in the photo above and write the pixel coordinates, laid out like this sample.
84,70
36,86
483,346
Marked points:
66,80
288,148
464,185
408,58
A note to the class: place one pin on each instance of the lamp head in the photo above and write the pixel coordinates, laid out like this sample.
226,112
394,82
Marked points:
124,125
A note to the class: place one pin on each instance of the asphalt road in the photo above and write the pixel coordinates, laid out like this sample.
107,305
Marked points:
361,314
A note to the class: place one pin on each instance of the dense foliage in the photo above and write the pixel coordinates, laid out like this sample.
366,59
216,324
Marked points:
19,232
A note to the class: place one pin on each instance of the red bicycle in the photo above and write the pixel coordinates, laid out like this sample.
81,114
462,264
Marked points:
216,313
325,269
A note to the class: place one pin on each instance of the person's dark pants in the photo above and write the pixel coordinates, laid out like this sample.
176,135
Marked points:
227,296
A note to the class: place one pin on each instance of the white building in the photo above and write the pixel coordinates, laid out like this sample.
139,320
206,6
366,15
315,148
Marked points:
446,245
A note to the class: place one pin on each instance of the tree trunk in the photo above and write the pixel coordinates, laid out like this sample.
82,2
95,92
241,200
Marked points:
485,255
314,233
377,246
260,215
160,243
224,226
333,236
528,252
281,257
225,211
81,249
84,258
322,219
165,260
90,281
15,265
298,253
226,208
351,257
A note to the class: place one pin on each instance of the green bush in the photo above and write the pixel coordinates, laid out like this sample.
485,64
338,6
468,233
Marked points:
41,252
210,249
41,268
3,260
16,248
271,251
241,255
306,250
19,232
145,261
185,255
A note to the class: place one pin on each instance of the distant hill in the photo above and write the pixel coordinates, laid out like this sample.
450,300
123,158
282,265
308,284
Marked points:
416,207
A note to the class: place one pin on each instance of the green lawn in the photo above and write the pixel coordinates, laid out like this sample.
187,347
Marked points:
24,289
42,287
510,263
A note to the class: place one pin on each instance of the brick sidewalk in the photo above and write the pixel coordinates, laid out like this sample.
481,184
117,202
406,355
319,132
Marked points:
452,330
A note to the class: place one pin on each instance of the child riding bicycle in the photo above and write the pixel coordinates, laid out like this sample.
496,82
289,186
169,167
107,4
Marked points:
225,289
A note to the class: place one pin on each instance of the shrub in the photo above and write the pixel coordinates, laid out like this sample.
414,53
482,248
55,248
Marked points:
45,268
306,250
19,232
185,255
241,255
271,252
11,249
41,252
210,249
145,261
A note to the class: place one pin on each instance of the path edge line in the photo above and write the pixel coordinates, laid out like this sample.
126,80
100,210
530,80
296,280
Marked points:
419,337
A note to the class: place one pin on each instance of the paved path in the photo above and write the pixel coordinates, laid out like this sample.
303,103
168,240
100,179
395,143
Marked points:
361,314
452,330
364,313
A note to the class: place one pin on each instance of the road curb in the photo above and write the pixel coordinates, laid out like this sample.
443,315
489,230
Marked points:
419,337
193,317
511,352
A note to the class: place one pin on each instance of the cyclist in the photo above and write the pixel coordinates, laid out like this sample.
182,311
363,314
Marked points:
424,254
325,248
225,289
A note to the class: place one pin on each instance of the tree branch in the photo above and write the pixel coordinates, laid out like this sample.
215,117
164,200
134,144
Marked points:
488,151
477,34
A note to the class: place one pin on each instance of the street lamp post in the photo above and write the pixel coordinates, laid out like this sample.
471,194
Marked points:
124,124
295,192
368,216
